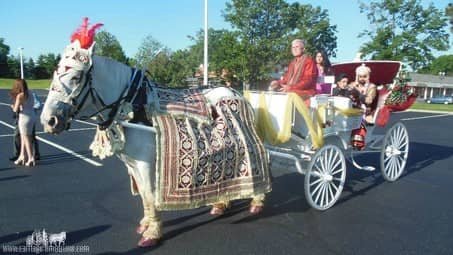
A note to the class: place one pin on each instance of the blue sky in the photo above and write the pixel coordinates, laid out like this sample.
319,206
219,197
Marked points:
44,26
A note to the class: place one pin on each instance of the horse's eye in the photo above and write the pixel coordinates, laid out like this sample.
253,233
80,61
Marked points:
83,59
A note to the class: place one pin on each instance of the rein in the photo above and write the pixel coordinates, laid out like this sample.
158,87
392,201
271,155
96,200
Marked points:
127,95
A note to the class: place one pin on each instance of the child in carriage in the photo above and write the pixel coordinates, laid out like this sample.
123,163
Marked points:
343,89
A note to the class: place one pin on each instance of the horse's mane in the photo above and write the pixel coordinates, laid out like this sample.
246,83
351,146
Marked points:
111,72
110,63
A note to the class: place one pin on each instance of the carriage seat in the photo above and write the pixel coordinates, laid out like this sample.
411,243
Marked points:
382,95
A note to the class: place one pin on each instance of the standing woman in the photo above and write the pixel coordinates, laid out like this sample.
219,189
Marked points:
323,65
23,104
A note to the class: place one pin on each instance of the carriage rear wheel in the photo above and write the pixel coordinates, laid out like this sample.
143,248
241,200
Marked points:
325,177
394,152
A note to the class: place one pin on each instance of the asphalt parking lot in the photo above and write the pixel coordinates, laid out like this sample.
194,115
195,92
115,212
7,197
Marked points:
90,200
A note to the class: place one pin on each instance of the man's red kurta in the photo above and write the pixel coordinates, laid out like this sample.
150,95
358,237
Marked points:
301,76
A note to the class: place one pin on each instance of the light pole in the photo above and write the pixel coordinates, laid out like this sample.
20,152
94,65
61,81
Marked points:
21,62
205,58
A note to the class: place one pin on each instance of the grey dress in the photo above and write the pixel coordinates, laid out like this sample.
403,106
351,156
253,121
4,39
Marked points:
27,116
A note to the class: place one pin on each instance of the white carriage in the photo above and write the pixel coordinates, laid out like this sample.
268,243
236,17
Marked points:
317,138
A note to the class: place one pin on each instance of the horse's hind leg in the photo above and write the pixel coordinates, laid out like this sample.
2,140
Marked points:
219,207
257,204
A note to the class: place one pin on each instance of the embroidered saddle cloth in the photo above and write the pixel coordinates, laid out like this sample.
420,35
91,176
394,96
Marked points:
186,102
199,163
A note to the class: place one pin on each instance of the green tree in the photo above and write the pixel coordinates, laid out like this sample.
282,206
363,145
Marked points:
449,13
148,50
225,52
404,30
158,67
262,28
266,28
313,25
108,46
29,67
442,64
4,51
45,65
182,65
13,63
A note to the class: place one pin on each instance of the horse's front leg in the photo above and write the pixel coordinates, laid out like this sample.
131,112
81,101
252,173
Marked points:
150,225
257,204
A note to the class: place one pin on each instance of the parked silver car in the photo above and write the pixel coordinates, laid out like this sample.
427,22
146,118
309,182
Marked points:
440,100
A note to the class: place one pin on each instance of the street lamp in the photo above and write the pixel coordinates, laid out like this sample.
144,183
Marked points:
205,57
21,62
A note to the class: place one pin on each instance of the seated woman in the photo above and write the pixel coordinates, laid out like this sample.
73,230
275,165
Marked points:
324,68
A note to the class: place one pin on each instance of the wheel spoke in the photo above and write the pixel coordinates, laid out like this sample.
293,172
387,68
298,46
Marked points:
317,181
319,193
330,192
337,179
337,171
323,166
388,164
316,189
334,186
398,136
319,170
403,144
392,168
335,166
387,158
325,195
332,157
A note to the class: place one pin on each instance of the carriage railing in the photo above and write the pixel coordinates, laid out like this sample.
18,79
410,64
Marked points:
294,117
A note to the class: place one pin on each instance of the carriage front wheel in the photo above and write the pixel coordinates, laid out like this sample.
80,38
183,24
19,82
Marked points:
325,177
395,149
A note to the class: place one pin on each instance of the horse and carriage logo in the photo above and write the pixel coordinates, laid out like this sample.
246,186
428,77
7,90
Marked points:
42,238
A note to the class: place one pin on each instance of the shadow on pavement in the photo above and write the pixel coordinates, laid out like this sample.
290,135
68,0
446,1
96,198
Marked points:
13,177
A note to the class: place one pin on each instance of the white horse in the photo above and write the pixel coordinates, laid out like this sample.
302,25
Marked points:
83,82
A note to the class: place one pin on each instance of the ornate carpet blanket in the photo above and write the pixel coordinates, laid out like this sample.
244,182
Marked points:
188,102
200,163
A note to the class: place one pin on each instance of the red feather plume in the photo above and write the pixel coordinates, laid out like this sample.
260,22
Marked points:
84,35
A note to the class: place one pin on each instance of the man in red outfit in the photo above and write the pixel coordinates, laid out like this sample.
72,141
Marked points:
301,75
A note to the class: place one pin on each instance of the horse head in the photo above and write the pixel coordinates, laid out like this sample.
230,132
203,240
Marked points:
69,80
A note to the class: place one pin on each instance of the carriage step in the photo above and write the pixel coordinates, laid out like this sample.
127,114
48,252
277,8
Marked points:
356,165
367,168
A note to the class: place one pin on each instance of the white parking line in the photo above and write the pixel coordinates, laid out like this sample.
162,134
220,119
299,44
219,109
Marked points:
42,132
73,153
427,117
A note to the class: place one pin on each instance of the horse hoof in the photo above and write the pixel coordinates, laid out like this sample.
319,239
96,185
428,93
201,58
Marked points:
216,211
147,242
255,209
141,229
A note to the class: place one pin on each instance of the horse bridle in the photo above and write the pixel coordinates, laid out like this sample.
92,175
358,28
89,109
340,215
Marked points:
78,101
125,95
